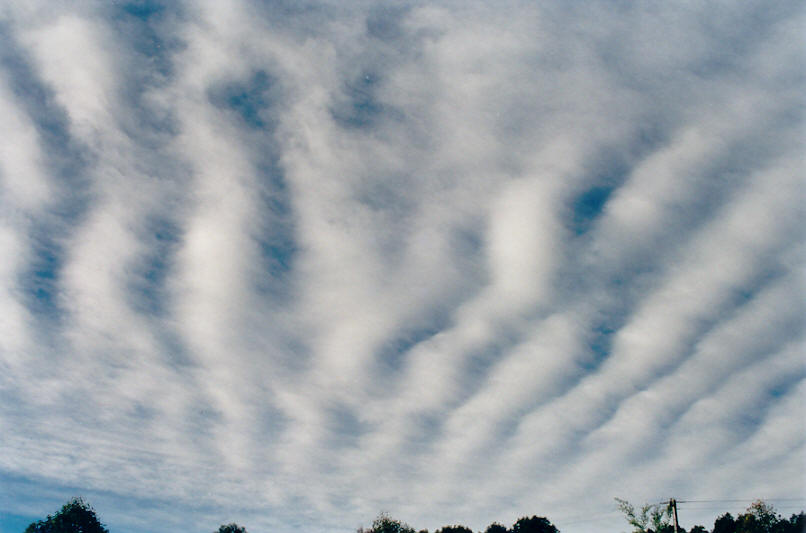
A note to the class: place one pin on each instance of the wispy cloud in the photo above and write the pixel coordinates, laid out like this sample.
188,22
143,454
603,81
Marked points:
294,264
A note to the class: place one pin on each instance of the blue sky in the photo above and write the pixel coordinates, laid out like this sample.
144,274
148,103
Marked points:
291,264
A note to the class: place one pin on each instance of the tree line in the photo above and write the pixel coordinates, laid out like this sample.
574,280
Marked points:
77,516
759,517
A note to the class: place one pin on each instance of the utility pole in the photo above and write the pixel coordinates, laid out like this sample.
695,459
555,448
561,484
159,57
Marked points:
673,505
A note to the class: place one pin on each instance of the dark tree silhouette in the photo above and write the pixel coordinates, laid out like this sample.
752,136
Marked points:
454,529
535,524
76,516
698,529
725,524
386,524
495,527
668,528
795,524
231,528
760,517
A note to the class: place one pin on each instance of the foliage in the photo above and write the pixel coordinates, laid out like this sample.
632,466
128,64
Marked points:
231,528
651,517
385,524
495,528
759,518
76,516
454,529
535,524
725,524
796,524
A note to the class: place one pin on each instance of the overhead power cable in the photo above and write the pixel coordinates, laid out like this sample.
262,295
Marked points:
751,500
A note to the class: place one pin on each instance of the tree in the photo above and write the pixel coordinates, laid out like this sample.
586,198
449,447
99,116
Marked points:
385,524
725,524
231,528
698,529
795,524
760,517
454,529
495,527
669,528
76,516
535,524
651,518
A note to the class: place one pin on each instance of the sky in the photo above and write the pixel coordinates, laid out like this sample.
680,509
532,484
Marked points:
290,264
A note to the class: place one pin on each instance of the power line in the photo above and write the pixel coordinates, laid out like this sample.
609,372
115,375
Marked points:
745,500
593,518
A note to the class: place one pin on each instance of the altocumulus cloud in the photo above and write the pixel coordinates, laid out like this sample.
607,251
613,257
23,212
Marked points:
294,263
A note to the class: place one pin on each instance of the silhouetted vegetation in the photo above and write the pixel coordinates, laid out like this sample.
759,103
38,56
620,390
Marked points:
231,528
759,517
385,524
454,529
651,517
76,516
534,524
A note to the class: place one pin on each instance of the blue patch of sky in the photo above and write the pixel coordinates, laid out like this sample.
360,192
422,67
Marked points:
749,421
255,103
358,105
345,427
609,168
276,230
115,511
790,329
148,273
599,345
734,304
29,492
144,9
391,355
10,522
423,431
252,100
66,161
737,35
588,206
40,282
147,35
37,99
383,22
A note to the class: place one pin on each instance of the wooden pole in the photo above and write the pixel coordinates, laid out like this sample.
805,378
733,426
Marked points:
673,504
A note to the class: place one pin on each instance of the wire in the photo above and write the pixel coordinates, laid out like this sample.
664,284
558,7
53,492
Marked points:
751,500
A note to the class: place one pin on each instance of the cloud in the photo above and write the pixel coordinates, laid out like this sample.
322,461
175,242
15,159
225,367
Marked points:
295,264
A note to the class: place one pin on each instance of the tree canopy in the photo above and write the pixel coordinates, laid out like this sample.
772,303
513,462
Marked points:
454,529
535,524
759,517
386,524
76,516
650,518
231,528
